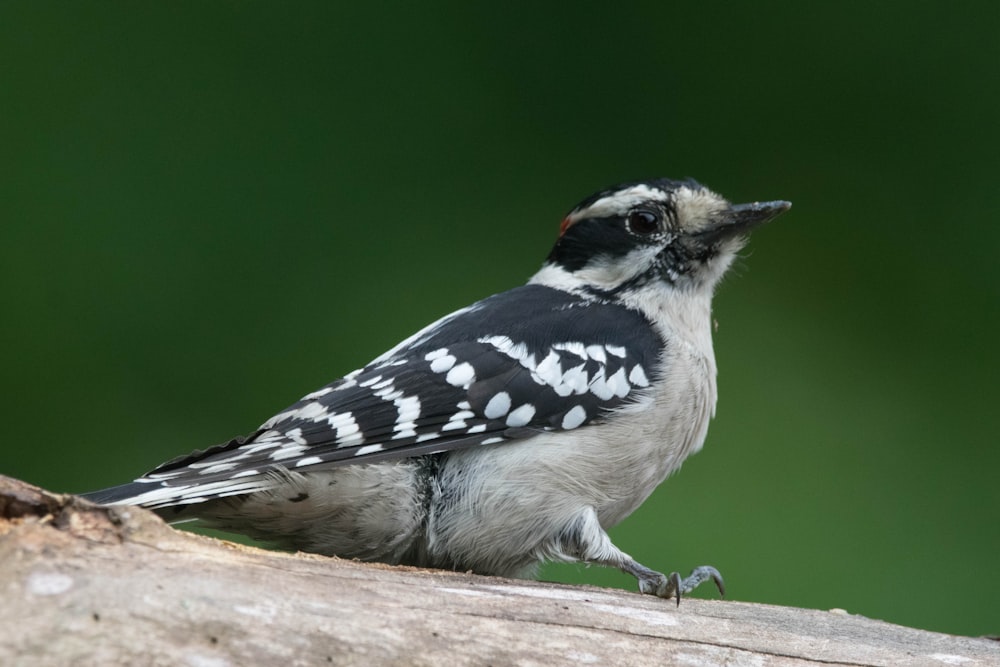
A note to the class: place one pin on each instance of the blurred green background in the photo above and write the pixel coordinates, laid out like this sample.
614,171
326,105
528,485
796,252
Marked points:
210,209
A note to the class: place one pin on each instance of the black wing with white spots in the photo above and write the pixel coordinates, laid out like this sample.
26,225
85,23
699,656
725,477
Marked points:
527,360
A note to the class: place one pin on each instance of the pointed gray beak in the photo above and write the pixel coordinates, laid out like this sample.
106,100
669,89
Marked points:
741,218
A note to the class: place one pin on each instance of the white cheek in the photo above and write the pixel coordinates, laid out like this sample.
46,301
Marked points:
612,271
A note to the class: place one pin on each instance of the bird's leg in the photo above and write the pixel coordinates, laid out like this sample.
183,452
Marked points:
588,542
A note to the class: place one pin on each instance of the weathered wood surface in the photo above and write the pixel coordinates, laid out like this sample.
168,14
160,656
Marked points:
84,585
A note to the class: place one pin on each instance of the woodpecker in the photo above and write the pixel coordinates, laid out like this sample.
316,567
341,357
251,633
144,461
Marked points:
514,431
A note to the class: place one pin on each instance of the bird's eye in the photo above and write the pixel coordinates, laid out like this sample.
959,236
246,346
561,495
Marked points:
643,222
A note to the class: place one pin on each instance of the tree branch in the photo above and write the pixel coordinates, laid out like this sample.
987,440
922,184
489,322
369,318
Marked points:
86,585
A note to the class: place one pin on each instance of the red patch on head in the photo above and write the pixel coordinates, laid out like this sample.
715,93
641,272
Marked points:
566,223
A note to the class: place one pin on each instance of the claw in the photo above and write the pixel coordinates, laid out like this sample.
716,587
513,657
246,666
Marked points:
717,578
675,584
702,574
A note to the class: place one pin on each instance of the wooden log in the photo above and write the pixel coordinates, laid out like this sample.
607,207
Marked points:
87,585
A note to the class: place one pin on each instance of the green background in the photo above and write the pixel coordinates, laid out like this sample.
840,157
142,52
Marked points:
210,209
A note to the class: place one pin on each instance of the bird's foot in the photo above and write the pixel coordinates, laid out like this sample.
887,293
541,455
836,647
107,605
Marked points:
672,586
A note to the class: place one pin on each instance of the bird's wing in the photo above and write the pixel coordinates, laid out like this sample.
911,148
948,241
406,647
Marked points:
446,388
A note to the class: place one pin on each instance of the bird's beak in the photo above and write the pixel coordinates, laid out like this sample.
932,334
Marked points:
741,218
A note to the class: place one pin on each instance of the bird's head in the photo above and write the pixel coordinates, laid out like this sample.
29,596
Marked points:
658,231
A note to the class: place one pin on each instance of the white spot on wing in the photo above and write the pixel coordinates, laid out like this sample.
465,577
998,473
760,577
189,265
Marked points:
278,418
563,390
461,375
224,467
368,449
521,415
350,440
596,352
407,411
638,377
348,431
295,435
340,420
599,386
308,461
573,348
618,384
443,364
502,343
575,381
382,384
280,454
498,406
348,383
408,407
516,351
318,393
405,430
389,394
574,417
457,420
315,411
549,371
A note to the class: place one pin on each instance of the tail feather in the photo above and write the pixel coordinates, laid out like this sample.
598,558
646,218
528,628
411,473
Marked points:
117,495
157,496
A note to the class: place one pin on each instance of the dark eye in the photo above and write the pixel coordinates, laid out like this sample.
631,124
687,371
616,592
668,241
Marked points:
643,222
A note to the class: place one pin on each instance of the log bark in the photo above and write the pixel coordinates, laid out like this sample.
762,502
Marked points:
88,585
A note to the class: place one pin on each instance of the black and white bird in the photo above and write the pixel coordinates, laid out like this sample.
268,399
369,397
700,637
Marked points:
513,431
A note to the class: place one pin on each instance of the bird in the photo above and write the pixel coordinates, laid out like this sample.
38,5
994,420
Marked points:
514,431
